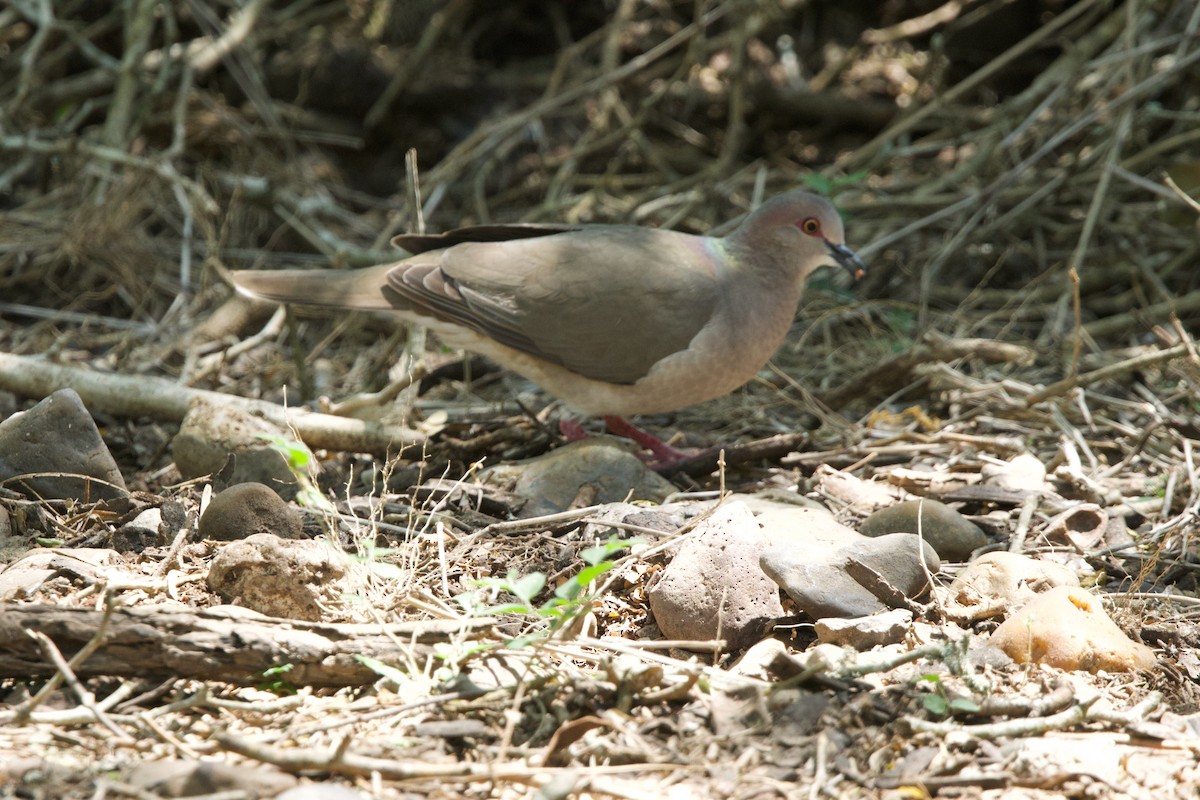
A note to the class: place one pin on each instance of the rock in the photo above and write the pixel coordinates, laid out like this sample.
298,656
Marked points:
1083,527
843,581
863,496
246,509
995,584
952,535
277,577
232,446
1023,473
193,778
863,633
141,532
713,588
322,791
737,710
796,715
662,519
1067,628
8,405
58,435
584,473
805,529
764,660
24,577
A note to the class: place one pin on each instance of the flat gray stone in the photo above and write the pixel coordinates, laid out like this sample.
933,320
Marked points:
863,633
180,778
835,582
58,435
952,535
713,587
804,528
589,472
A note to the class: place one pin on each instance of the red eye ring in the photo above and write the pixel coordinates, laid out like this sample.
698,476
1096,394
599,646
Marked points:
810,225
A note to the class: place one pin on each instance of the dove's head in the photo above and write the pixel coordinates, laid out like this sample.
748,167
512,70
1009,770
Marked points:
800,230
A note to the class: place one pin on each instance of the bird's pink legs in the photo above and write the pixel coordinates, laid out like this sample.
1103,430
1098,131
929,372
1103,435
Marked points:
662,454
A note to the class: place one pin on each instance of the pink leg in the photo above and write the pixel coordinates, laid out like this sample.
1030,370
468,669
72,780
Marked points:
572,430
663,453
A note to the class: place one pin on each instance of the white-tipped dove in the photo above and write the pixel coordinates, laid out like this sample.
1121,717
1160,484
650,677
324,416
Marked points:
614,319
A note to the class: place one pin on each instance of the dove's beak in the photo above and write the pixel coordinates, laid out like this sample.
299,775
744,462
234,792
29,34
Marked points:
845,257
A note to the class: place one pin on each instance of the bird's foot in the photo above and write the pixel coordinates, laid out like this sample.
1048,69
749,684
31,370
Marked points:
663,454
661,457
572,430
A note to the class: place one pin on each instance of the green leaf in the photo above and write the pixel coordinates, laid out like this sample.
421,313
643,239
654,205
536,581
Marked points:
935,704
851,179
297,455
470,603
311,497
568,590
525,640
555,607
528,587
964,704
509,608
589,574
383,670
612,545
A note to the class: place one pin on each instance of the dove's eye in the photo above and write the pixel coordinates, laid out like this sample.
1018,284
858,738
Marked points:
810,225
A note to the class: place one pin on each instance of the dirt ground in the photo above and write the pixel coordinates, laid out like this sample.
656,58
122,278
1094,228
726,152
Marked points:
1022,179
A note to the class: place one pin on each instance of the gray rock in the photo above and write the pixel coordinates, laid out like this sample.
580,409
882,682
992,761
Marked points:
804,528
796,715
178,778
713,588
232,446
8,405
952,535
24,577
585,473
738,710
863,633
246,509
58,435
618,519
277,577
141,532
855,579
764,660
322,791
1022,473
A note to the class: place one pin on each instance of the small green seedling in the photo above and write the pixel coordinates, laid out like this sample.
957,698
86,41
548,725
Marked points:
275,683
568,601
303,465
942,702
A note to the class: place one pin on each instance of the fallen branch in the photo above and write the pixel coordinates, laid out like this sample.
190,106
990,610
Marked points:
159,398
228,644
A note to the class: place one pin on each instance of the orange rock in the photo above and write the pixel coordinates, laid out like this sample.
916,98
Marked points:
1068,628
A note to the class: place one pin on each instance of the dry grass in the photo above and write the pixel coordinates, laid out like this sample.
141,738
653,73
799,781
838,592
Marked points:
1023,199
